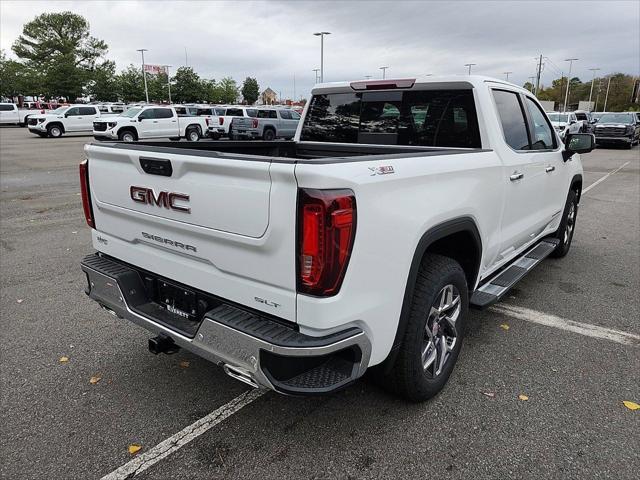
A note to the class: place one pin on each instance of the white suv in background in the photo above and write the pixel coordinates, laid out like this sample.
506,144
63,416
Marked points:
564,123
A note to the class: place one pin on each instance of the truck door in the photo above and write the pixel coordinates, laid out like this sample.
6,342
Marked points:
85,118
167,122
73,120
524,176
9,113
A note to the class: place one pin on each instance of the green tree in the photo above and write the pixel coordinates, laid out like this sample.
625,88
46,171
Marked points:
228,90
130,84
60,46
103,85
17,79
250,90
187,86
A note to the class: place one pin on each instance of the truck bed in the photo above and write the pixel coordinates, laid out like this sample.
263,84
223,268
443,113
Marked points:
284,151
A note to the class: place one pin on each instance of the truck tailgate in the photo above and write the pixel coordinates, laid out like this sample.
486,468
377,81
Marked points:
223,225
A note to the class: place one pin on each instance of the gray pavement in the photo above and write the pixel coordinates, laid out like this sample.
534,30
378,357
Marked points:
55,424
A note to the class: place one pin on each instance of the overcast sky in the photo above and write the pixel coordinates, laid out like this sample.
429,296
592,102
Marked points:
272,41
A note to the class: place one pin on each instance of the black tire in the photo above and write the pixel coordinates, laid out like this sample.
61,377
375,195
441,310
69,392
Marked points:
269,134
55,130
175,139
567,226
127,136
408,376
214,136
193,134
231,135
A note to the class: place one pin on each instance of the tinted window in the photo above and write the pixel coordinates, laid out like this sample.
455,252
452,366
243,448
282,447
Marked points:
444,118
146,114
220,111
512,119
581,116
234,112
295,115
6,108
267,114
162,113
87,111
542,137
103,108
285,114
252,112
201,112
73,111
181,110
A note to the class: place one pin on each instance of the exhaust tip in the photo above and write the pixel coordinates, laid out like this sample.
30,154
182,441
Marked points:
162,344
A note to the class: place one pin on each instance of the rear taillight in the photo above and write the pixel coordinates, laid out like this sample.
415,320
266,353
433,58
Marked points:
86,194
207,119
254,123
326,231
220,120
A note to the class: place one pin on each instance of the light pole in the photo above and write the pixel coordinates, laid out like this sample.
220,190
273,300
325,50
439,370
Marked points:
144,75
470,65
566,95
507,74
384,72
594,70
606,96
316,70
166,69
321,35
367,77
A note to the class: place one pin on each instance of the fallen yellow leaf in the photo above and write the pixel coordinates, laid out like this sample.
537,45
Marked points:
504,326
64,359
631,405
184,364
524,398
134,448
94,380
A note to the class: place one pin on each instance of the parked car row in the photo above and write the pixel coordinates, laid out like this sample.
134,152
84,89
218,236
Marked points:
608,127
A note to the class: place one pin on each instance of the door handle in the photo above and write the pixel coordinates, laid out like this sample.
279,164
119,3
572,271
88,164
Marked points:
550,169
516,176
155,121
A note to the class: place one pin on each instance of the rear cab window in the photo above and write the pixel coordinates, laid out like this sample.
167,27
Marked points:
439,118
234,112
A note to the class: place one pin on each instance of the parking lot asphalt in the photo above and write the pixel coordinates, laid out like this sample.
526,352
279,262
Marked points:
57,424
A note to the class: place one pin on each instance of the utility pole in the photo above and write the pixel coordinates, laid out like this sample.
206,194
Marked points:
186,59
384,72
321,35
538,75
294,87
594,70
507,74
566,95
606,97
595,107
144,75
166,69
316,70
469,65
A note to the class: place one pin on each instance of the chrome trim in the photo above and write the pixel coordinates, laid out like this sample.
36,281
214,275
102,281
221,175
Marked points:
237,352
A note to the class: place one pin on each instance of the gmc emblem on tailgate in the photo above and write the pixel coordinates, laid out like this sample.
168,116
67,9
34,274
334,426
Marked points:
167,200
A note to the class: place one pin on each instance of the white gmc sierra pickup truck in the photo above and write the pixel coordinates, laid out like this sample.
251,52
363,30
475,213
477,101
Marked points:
360,245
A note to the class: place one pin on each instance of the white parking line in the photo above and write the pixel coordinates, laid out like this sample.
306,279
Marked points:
585,329
167,447
600,180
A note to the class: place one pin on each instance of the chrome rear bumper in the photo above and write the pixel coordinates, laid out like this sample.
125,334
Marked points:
253,349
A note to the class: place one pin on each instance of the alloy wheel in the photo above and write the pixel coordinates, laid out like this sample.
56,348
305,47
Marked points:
441,335
571,221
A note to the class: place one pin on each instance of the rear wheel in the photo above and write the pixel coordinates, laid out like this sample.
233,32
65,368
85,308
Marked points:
433,336
269,134
193,134
567,225
54,131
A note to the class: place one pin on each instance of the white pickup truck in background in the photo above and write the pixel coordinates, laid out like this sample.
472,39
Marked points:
220,128
71,118
10,113
149,122
268,124
297,266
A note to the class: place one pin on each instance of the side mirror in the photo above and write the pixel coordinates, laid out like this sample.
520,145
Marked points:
595,120
578,143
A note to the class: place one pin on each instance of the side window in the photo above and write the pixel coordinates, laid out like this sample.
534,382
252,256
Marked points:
234,112
285,114
147,114
117,109
87,111
72,111
6,108
512,118
252,112
163,113
295,115
542,137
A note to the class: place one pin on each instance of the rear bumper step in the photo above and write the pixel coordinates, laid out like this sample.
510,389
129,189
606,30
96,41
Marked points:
493,290
251,348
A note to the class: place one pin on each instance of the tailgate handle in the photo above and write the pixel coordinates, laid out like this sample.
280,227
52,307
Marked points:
156,166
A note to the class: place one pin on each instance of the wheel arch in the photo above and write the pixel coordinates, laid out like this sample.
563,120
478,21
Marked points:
445,239
59,124
128,128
